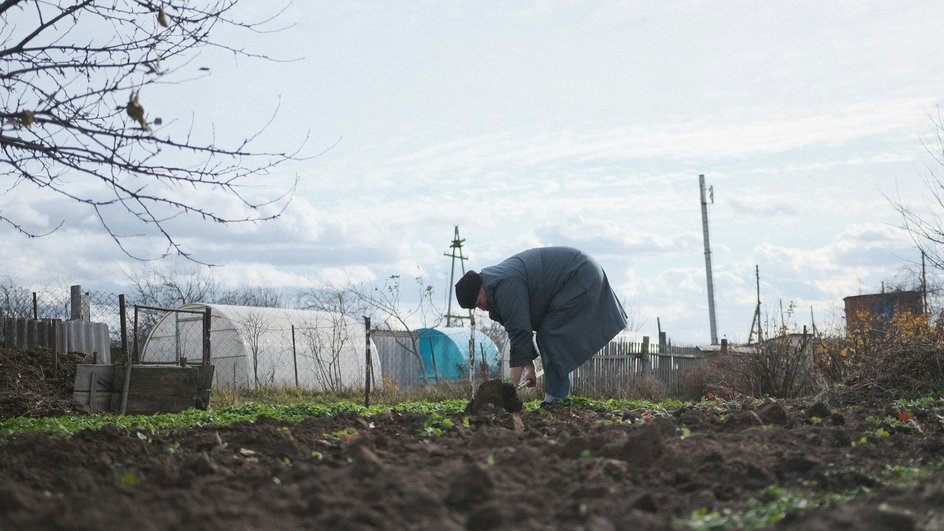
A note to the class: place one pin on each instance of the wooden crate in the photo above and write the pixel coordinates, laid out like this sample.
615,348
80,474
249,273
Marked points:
151,389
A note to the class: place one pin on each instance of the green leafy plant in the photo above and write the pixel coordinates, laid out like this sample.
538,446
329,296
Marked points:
144,425
436,425
344,435
771,507
861,441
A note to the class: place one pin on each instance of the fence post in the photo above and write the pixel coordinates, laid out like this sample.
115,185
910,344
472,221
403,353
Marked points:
123,408
646,357
472,357
80,305
207,327
35,312
369,364
123,322
432,358
294,357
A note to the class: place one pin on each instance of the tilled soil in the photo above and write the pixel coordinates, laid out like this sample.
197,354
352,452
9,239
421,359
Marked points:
557,468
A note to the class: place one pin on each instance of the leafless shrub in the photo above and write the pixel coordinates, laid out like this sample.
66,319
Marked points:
906,360
647,387
779,367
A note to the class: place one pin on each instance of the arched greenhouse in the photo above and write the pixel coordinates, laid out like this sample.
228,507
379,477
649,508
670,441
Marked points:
445,353
254,346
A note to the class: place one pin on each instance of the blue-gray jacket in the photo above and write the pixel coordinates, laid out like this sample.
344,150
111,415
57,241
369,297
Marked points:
560,293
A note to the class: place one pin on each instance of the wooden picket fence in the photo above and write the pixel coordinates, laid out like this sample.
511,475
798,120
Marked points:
614,372
622,366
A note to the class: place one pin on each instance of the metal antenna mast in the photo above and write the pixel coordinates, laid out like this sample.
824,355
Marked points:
756,324
711,287
455,246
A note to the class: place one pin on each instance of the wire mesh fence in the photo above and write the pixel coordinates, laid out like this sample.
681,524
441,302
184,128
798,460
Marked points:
58,303
254,347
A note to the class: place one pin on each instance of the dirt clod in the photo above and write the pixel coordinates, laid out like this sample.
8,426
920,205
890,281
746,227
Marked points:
470,486
773,413
493,395
818,410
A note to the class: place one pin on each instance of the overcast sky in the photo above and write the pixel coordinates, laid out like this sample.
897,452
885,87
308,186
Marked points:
575,123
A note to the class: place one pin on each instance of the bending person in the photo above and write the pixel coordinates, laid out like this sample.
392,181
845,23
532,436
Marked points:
559,293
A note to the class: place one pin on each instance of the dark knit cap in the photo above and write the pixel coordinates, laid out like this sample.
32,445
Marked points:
467,289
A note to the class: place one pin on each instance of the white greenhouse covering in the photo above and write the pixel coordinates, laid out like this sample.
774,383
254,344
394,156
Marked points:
252,346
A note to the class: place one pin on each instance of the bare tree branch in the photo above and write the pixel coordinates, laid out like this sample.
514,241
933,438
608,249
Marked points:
74,120
926,227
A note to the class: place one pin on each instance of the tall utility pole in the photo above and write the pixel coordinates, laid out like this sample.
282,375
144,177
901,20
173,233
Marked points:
454,247
924,285
711,286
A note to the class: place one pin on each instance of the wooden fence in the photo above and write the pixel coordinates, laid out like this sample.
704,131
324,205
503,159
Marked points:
616,371
621,367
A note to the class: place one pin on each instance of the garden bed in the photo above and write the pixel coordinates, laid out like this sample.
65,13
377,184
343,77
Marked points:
718,464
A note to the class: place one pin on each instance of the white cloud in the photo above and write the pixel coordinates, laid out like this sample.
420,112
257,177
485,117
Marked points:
563,123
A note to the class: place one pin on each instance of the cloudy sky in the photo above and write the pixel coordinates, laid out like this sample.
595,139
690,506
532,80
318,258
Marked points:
549,122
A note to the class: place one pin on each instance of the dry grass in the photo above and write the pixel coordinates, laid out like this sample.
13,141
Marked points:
389,393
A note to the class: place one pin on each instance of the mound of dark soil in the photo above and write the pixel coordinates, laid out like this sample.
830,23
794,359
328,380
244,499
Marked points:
35,383
494,395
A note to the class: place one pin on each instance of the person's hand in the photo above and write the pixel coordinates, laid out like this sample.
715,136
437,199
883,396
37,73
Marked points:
524,376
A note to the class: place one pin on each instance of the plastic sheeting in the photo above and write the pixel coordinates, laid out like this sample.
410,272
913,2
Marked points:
445,353
275,347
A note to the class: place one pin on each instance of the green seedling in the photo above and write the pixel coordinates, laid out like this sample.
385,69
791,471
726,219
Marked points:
128,479
436,425
861,441
344,435
173,448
